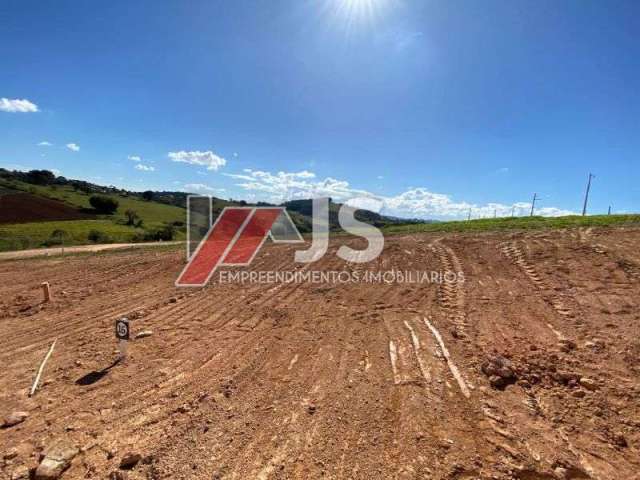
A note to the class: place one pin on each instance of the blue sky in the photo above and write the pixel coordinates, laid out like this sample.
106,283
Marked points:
427,107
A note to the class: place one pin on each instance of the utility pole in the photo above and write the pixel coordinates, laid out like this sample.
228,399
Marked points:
533,203
609,212
586,195
469,216
495,213
513,209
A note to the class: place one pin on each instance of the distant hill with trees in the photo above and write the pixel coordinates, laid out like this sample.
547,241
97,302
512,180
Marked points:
83,212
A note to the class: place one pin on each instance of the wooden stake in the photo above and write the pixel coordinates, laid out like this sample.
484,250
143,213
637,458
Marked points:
46,290
41,369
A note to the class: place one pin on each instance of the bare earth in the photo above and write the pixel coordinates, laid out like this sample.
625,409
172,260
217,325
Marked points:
333,380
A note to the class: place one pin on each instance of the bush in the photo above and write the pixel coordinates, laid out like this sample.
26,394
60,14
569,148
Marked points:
102,204
132,217
96,236
164,234
57,237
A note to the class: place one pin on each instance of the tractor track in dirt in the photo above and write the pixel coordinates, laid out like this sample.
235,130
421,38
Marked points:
327,380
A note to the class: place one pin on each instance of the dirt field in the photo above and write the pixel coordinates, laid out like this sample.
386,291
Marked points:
25,208
529,369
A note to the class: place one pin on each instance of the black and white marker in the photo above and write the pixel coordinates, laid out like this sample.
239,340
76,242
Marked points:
122,334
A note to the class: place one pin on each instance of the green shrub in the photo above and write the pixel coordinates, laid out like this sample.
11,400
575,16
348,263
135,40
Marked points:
96,236
166,233
132,217
102,204
57,237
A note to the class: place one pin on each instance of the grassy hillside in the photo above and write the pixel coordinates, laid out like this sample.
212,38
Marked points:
165,212
153,213
518,223
154,216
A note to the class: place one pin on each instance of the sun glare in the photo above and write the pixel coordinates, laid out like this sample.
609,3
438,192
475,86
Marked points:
349,13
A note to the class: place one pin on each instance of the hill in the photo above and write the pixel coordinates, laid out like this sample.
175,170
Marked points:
40,209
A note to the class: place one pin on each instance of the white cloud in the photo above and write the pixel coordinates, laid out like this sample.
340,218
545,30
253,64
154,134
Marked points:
73,147
414,202
201,187
207,159
45,144
56,172
17,106
134,158
284,186
144,168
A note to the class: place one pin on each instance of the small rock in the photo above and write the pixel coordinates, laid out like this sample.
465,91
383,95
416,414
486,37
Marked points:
311,409
118,475
14,419
588,383
561,473
130,460
22,472
566,378
11,454
173,300
144,333
524,384
496,381
57,458
500,371
566,345
620,440
578,393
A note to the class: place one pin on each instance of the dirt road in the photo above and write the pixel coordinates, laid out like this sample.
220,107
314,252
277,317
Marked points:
50,252
528,369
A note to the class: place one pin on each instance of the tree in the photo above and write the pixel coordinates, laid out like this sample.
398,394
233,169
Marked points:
148,195
41,177
132,216
102,204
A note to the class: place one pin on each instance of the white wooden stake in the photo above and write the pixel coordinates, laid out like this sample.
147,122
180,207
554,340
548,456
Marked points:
41,369
46,290
122,347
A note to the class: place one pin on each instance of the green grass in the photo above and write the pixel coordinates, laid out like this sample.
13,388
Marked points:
518,223
154,214
32,235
